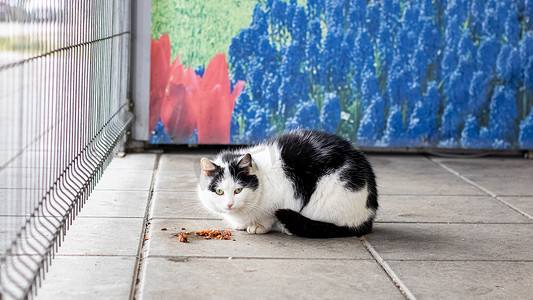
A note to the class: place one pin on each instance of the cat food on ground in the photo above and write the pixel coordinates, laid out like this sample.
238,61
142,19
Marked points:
182,238
214,234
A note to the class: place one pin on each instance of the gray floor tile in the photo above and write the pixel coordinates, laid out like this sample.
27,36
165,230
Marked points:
266,279
125,180
397,241
424,184
133,161
178,205
466,279
102,236
402,164
495,167
88,277
22,178
444,209
180,162
12,202
175,181
500,176
163,243
104,203
525,204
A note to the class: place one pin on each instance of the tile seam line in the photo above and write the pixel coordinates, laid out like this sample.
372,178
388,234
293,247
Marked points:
138,276
388,270
493,195
200,257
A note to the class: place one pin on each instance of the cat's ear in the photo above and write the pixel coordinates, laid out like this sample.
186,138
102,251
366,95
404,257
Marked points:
208,166
245,162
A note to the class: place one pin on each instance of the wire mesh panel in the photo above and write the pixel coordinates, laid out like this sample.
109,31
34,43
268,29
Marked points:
64,69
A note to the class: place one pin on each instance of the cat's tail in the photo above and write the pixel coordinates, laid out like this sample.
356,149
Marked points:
302,226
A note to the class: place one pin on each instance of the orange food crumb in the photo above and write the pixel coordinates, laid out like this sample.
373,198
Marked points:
164,228
182,228
214,234
182,238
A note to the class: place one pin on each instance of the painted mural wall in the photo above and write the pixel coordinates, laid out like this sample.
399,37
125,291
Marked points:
389,73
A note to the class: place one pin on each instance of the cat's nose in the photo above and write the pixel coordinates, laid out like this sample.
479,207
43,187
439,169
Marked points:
230,205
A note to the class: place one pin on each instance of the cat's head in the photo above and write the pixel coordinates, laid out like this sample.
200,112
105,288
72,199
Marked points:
228,185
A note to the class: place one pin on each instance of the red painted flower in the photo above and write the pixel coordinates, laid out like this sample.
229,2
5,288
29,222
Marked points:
215,102
159,71
184,101
178,110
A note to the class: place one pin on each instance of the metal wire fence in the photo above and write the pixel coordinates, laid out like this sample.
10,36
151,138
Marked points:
64,68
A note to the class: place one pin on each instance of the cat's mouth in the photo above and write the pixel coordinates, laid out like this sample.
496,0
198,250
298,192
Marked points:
232,210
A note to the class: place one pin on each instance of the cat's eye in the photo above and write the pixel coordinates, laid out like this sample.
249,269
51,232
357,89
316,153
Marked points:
237,190
219,192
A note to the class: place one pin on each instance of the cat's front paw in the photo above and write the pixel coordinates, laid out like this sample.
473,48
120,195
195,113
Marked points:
256,229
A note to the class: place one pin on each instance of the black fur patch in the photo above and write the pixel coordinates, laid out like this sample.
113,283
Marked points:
217,175
308,155
240,175
302,226
243,176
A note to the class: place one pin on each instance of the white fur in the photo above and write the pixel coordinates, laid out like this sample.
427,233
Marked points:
254,210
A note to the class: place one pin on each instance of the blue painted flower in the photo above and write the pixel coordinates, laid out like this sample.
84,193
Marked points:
466,47
470,133
503,112
259,23
313,47
299,30
330,114
305,117
394,134
259,128
477,92
372,17
508,66
525,136
369,86
356,14
371,126
512,27
450,122
430,39
456,9
487,54
452,33
159,135
528,75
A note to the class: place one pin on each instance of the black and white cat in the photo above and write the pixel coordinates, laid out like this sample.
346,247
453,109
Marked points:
308,183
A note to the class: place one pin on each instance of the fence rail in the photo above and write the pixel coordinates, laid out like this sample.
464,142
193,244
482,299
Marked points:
64,73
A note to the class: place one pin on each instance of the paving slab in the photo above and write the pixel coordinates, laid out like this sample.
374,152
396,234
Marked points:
187,163
448,209
107,203
134,161
491,242
89,277
102,236
125,180
466,279
271,245
173,204
402,164
13,208
265,279
500,176
524,203
175,181
424,184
